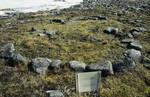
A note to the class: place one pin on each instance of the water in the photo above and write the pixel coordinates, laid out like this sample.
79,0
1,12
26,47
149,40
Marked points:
36,5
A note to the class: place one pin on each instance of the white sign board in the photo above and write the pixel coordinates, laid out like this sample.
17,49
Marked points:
88,82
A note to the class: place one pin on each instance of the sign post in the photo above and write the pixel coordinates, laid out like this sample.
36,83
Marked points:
88,82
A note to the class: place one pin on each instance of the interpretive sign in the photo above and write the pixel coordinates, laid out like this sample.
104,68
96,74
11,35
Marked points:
88,82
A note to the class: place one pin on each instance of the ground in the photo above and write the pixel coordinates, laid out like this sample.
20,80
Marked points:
23,83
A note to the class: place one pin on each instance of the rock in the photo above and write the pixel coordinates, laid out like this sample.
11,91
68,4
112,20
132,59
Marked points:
135,34
15,60
137,31
111,30
40,65
32,29
125,64
97,17
60,21
77,66
123,35
129,35
55,93
127,40
51,34
105,67
134,55
55,66
146,63
7,50
135,45
11,57
95,29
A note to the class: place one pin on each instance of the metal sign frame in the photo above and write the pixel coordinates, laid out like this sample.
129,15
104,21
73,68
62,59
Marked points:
98,83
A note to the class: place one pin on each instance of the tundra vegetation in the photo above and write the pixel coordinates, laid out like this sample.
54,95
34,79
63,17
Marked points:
74,34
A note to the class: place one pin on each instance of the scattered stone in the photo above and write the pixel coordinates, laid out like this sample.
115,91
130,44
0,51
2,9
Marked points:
77,66
15,60
127,40
135,34
134,55
60,21
55,93
135,45
55,66
40,65
146,63
129,35
124,64
11,57
139,29
7,50
51,34
97,17
111,30
105,67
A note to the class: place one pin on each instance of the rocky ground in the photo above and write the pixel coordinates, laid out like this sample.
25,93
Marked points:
42,51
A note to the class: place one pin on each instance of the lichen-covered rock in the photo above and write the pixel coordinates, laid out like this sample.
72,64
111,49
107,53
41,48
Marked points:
111,30
40,65
135,45
52,34
77,66
11,57
55,66
124,64
60,21
134,54
15,60
105,67
146,63
7,50
55,93
127,40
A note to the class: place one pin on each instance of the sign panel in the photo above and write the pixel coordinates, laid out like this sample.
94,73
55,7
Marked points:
87,82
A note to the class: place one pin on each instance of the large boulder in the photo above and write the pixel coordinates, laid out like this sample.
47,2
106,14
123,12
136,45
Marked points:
111,30
77,66
40,65
124,64
7,50
134,54
55,93
55,66
105,67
